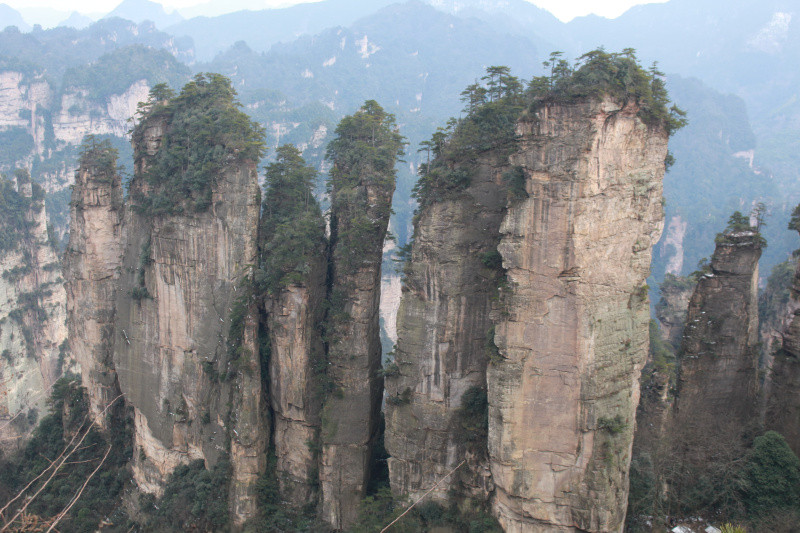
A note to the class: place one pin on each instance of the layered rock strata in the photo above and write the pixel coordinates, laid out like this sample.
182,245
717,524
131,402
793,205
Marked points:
783,396
92,264
294,318
717,397
441,351
573,331
671,308
350,417
33,335
186,337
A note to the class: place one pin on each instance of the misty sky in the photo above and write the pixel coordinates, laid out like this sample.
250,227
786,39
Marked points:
563,9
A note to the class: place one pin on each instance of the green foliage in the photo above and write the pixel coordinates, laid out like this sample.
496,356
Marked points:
99,157
364,152
492,260
13,208
381,508
115,72
612,425
661,352
494,106
194,499
618,75
777,293
15,144
515,180
794,221
472,419
292,227
274,516
205,132
738,224
772,475
100,498
492,351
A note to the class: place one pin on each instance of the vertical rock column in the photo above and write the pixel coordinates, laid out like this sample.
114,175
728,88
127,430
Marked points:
292,273
573,327
186,338
441,349
32,311
293,320
92,265
783,400
362,184
718,381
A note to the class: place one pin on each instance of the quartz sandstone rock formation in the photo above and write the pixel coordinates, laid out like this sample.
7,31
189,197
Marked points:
186,338
92,265
441,351
293,321
573,331
671,308
33,351
783,393
362,184
718,382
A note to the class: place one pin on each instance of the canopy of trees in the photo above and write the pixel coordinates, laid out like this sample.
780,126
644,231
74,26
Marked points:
205,131
293,229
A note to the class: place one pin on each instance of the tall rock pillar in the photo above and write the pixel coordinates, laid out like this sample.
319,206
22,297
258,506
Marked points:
33,335
92,265
186,337
572,331
362,185
717,396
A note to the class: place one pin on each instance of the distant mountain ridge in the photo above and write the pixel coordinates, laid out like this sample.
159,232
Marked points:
141,10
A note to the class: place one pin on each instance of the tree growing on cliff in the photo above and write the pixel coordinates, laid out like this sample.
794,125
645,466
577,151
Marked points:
292,227
364,152
204,131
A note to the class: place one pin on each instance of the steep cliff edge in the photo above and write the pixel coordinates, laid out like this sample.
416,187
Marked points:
33,350
780,337
186,336
92,264
524,328
292,274
362,182
443,326
573,337
718,385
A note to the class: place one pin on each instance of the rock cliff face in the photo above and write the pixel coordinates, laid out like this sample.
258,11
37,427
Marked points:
671,308
362,182
441,350
296,351
33,350
351,412
186,337
783,393
92,264
557,335
573,331
28,104
718,380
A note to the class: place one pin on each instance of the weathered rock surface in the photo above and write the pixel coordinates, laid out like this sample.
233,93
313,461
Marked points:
783,392
441,351
33,351
351,412
718,381
672,307
92,263
574,334
296,351
186,337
